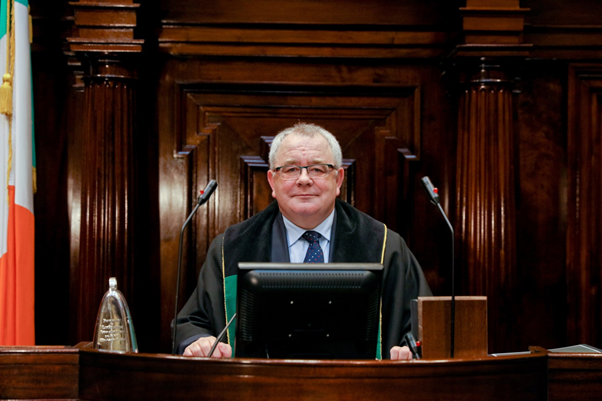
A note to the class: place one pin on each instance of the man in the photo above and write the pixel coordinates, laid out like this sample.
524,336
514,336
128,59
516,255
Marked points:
305,176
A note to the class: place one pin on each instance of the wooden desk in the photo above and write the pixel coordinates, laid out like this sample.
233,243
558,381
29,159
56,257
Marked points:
87,374
574,376
39,372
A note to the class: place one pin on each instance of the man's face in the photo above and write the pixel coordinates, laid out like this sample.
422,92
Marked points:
305,201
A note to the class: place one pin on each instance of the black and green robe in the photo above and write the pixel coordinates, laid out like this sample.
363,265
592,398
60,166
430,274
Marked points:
357,237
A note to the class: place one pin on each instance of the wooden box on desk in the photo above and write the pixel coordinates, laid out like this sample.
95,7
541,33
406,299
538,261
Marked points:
434,327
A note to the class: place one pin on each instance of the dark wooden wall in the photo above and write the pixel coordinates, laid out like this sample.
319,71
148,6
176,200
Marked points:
139,104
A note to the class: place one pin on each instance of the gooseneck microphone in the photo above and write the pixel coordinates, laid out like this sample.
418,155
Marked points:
433,194
205,194
203,198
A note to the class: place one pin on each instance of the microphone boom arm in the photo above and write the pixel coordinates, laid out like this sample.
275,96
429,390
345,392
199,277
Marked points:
434,198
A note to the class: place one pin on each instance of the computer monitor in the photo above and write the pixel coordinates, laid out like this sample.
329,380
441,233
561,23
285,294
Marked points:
308,311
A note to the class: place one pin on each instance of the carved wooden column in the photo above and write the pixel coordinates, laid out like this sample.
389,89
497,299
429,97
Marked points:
485,177
103,41
485,214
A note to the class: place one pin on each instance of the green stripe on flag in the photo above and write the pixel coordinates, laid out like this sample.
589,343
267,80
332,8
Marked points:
3,18
3,29
33,136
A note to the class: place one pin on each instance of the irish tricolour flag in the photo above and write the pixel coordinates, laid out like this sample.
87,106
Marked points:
17,172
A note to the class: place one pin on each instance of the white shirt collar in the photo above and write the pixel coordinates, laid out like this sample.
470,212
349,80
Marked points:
293,232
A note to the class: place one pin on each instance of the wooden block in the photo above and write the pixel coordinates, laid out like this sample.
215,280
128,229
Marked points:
434,327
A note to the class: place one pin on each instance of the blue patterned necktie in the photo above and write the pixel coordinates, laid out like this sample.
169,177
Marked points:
314,252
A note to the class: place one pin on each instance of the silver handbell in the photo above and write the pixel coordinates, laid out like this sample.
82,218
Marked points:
114,327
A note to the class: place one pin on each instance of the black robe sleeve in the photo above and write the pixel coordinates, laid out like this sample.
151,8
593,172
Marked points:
250,241
403,281
204,310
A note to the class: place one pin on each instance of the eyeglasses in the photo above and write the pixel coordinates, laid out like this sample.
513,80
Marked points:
315,171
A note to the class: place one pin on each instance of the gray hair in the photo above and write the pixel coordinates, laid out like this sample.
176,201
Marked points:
308,130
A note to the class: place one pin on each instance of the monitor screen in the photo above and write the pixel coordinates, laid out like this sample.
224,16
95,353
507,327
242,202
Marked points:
308,311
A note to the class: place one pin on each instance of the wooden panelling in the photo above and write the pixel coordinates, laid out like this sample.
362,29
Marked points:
256,189
559,13
493,22
565,42
39,372
223,132
335,13
584,259
52,205
306,29
104,26
356,110
254,35
309,42
562,30
541,220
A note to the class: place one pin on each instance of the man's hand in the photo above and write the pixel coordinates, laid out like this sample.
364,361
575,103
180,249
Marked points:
202,346
401,353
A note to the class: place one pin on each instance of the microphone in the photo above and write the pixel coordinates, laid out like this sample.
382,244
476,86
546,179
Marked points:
202,199
431,191
207,192
433,194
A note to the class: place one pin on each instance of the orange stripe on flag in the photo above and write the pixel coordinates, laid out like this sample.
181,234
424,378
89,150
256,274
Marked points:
17,282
